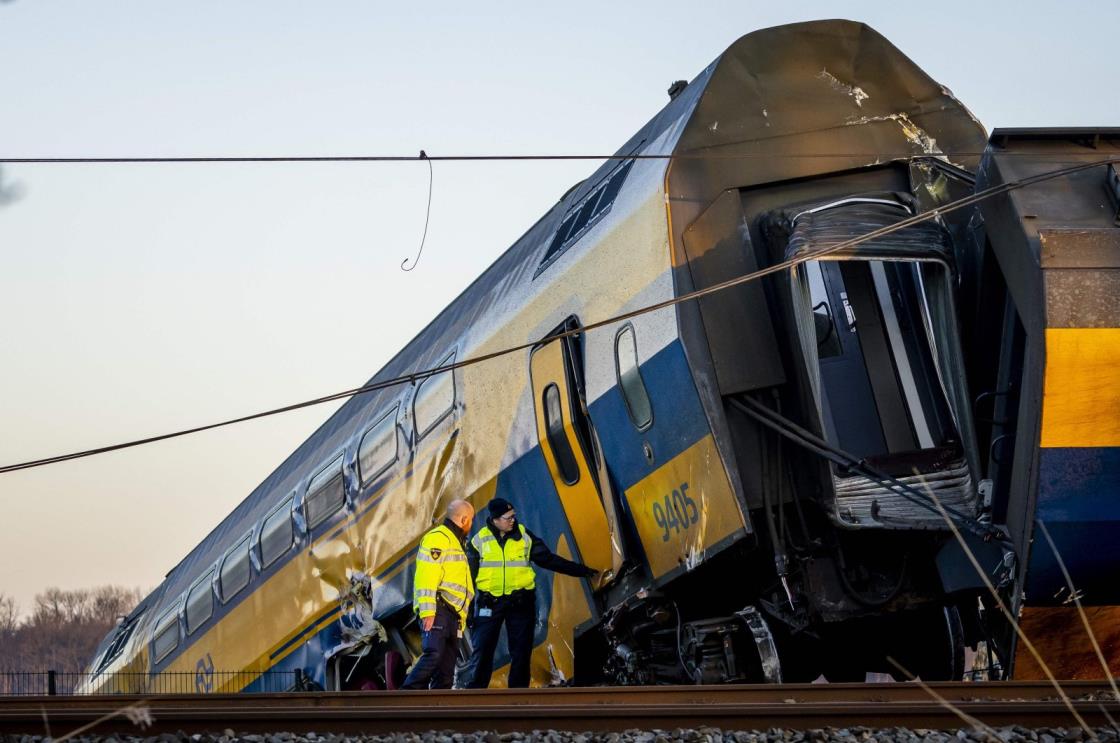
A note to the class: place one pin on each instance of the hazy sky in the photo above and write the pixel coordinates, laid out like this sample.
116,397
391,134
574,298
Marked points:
144,298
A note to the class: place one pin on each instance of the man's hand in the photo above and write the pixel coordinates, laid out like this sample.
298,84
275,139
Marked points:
427,622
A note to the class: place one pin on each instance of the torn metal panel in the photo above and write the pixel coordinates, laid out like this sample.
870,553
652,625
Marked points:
360,630
857,93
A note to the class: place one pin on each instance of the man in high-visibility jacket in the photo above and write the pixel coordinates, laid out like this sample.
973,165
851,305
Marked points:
441,595
500,555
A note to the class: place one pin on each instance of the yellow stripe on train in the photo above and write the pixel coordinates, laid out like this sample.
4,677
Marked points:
684,508
1081,395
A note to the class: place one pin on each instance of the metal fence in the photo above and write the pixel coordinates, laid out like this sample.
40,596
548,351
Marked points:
62,683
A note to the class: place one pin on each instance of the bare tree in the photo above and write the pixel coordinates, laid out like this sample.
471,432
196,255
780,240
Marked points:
9,615
63,629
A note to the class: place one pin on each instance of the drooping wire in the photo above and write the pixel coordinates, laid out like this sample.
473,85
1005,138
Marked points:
687,297
427,214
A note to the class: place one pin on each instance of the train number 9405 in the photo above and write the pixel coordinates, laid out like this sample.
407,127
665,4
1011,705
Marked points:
675,512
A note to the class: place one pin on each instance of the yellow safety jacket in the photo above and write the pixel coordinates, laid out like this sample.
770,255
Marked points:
442,573
503,568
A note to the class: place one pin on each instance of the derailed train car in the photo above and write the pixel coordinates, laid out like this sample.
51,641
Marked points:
759,474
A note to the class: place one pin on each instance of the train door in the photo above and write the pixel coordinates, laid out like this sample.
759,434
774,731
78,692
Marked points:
572,452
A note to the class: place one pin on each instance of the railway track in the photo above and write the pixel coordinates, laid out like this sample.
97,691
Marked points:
795,706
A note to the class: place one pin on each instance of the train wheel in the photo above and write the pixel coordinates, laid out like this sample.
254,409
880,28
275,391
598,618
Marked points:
929,644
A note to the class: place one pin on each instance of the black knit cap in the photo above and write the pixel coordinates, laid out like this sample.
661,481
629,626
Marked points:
499,507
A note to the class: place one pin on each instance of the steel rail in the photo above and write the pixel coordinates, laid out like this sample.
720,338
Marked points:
794,706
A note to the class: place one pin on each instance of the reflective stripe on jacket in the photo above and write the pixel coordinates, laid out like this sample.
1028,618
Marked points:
441,573
503,567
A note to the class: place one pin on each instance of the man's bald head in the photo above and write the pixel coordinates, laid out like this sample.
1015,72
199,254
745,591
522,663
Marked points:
460,513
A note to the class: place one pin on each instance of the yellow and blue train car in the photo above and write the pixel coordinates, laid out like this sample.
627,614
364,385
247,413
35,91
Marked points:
754,472
1047,370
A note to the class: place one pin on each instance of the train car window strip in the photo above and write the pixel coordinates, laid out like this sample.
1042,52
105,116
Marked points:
435,399
326,494
166,636
584,215
277,534
557,436
630,379
200,603
234,573
379,447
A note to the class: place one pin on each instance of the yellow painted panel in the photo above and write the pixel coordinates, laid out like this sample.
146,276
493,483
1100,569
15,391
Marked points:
684,507
1081,396
581,501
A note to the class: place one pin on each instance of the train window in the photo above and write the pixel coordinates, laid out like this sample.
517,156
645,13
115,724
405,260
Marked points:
630,378
277,536
583,215
116,646
325,494
434,399
558,437
234,574
166,636
378,448
200,603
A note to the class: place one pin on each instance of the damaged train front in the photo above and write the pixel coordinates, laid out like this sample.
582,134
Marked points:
840,398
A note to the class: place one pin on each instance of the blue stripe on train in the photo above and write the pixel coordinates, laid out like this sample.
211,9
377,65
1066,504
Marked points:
307,658
678,418
1079,501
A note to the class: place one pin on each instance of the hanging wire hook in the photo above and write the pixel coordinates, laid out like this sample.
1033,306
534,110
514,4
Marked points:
427,214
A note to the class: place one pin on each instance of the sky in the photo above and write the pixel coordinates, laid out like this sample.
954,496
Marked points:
140,299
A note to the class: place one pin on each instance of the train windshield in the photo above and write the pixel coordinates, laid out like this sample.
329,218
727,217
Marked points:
880,389
878,332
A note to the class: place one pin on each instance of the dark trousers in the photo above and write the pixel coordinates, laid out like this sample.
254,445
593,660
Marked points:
435,669
519,614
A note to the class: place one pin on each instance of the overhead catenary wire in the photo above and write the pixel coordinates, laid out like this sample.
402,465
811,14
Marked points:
686,297
496,157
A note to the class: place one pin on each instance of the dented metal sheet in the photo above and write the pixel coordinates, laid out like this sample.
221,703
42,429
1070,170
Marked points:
359,629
